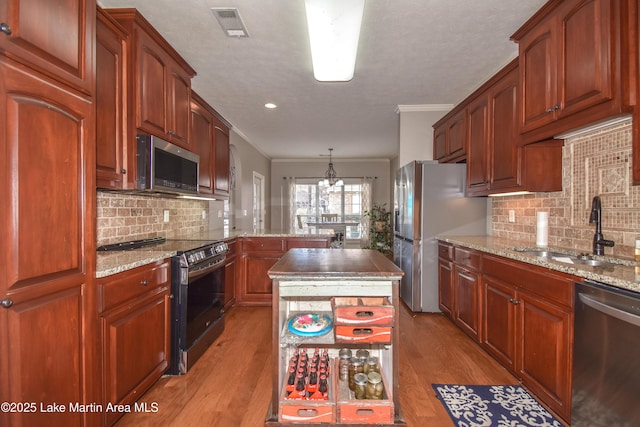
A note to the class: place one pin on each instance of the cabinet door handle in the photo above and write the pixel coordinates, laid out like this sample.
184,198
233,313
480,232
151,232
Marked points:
123,171
514,301
556,107
549,110
144,282
6,302
5,28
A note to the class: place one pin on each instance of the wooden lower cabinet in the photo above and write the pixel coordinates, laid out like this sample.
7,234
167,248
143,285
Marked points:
527,326
521,314
544,347
256,255
466,288
498,336
135,325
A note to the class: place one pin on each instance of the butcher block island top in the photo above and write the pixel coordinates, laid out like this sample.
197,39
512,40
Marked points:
354,295
333,263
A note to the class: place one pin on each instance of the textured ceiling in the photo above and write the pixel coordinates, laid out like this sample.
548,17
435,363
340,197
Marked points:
411,52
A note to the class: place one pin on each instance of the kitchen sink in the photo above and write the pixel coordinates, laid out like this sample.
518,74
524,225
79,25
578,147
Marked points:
582,259
541,253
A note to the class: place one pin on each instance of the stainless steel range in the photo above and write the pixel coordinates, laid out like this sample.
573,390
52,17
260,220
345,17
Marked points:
197,282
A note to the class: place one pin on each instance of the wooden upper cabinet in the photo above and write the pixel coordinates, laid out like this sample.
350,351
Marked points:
163,93
55,38
221,166
494,155
505,152
202,140
478,151
210,139
450,136
111,44
160,78
571,68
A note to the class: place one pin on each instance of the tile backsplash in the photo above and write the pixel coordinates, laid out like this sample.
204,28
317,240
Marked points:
594,163
122,217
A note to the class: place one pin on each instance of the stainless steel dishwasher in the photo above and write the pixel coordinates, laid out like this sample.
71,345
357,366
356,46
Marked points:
606,356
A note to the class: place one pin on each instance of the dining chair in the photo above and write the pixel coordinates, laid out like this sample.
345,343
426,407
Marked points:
329,217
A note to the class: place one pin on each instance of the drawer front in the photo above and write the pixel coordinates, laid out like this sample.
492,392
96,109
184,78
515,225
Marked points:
263,244
467,257
541,281
121,287
445,251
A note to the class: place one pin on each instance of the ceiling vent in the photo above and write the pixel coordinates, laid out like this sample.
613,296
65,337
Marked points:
230,21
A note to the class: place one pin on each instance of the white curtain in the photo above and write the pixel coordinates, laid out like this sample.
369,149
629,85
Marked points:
293,223
367,191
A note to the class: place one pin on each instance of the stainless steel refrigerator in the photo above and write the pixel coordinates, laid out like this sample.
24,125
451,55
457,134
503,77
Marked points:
430,201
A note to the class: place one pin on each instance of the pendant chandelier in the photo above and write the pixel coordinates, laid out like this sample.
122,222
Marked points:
330,176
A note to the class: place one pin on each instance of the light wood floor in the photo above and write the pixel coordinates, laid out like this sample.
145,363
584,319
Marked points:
229,385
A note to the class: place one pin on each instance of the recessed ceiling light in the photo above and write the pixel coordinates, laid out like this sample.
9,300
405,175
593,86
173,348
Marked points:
270,105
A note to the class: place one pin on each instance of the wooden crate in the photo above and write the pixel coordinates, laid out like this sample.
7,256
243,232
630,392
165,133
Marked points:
360,311
363,411
297,411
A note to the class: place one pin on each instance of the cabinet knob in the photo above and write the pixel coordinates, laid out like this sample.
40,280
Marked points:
5,28
172,133
6,302
144,282
556,107
514,301
549,110
123,171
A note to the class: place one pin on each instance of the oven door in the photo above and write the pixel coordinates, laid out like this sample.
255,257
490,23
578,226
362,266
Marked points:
198,308
205,303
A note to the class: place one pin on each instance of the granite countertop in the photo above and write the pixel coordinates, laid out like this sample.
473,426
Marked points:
109,263
624,273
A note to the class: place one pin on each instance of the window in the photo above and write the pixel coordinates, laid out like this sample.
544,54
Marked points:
310,201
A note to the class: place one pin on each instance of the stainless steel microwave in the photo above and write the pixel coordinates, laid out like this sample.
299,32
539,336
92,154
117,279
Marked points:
166,168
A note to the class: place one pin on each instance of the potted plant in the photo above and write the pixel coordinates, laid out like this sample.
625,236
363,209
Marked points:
380,235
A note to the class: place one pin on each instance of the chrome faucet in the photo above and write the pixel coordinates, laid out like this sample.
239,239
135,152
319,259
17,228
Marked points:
599,242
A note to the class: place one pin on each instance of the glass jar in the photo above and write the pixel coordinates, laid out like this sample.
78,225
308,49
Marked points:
355,367
360,381
371,365
374,387
343,365
362,354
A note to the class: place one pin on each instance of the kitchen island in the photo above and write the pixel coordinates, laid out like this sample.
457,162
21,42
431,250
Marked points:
357,291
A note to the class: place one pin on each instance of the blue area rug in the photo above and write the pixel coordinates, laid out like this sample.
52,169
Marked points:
493,405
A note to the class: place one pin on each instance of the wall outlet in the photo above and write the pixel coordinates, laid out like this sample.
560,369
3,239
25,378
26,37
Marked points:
166,215
512,215
204,214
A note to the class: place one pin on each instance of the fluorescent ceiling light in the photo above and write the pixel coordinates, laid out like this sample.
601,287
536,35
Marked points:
334,30
270,105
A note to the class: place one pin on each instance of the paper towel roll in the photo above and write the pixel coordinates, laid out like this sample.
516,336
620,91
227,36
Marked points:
542,229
